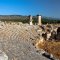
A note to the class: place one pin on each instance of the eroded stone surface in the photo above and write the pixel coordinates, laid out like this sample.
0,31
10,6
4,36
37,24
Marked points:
3,56
16,41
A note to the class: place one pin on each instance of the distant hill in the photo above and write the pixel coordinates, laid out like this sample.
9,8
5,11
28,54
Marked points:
25,19
15,18
50,20
12,17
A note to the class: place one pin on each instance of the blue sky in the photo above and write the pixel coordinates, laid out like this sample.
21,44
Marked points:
49,8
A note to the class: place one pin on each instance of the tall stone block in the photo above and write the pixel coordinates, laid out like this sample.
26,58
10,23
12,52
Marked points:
39,20
30,18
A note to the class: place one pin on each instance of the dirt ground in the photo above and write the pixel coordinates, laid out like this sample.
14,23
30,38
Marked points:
50,47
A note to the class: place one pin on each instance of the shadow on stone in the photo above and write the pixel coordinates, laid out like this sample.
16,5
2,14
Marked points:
47,56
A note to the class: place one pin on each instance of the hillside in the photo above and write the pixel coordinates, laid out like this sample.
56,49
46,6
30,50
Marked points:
25,19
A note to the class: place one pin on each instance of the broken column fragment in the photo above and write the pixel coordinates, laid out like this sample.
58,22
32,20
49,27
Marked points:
30,18
39,19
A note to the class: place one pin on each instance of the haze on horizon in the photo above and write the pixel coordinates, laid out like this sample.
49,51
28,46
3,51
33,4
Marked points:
49,8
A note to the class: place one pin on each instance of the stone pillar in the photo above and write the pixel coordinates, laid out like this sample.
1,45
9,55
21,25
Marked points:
30,18
39,20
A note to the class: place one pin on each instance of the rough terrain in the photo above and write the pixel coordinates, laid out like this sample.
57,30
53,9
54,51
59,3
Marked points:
16,40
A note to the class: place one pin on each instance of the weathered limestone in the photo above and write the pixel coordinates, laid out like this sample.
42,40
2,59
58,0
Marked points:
48,36
30,17
3,56
39,20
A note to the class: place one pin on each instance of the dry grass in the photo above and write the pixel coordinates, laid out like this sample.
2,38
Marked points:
51,47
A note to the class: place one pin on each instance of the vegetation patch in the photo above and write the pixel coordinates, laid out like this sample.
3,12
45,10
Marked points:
50,47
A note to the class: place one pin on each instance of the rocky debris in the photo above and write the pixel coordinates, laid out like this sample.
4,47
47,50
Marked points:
52,32
53,35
